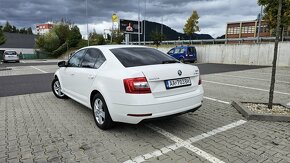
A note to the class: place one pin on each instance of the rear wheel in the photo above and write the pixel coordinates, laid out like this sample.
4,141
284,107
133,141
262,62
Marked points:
56,89
100,112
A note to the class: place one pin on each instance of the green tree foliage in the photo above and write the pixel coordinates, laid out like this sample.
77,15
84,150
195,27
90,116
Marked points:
13,29
62,31
7,27
271,10
117,37
58,40
29,31
157,38
191,24
48,42
74,36
96,39
2,37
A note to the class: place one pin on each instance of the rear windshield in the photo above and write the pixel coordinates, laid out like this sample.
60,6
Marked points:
10,53
131,57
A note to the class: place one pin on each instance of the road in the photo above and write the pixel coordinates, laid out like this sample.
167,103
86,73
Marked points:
35,83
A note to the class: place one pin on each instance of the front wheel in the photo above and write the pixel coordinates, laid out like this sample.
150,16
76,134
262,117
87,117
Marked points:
100,112
56,89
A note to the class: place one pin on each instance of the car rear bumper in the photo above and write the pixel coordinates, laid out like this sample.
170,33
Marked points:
10,59
135,113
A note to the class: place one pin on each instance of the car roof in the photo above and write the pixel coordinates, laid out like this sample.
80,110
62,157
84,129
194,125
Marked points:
109,47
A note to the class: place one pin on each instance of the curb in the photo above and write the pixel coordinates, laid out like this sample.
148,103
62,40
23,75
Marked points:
249,115
4,69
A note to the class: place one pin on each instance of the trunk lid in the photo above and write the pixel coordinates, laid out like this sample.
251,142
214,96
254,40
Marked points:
156,76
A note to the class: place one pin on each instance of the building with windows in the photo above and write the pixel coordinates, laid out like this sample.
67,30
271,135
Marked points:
41,29
247,29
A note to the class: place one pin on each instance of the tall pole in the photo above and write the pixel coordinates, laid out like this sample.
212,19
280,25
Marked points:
139,22
260,19
87,22
272,86
144,30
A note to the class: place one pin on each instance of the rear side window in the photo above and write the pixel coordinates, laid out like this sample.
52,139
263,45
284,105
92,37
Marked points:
93,58
10,53
131,57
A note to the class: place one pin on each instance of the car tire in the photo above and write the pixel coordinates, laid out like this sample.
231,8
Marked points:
101,113
56,89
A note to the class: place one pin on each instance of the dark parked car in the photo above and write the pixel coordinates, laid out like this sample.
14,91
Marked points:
184,53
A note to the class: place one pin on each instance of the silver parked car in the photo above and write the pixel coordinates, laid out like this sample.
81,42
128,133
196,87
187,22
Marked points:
10,55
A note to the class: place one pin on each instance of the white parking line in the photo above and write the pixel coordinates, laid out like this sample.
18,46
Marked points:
266,73
243,77
187,143
39,69
240,86
216,100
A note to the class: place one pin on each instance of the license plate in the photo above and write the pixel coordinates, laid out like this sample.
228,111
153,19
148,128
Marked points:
174,83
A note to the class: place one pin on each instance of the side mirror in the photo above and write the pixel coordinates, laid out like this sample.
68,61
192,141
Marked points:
62,64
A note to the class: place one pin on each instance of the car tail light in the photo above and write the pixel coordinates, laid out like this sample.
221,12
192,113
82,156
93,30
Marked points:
137,85
199,80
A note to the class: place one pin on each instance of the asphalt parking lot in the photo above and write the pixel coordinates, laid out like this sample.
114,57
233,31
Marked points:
35,126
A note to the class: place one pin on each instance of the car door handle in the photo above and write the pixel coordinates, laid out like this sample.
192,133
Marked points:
72,74
91,76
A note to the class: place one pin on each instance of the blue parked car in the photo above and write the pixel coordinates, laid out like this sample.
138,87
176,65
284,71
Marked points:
184,53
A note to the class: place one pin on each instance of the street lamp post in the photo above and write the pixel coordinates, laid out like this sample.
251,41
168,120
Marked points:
144,30
139,22
259,28
87,22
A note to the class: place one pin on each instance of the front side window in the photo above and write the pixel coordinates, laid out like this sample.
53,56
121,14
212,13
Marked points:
93,58
75,60
131,57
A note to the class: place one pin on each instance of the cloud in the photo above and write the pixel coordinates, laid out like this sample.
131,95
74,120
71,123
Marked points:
214,14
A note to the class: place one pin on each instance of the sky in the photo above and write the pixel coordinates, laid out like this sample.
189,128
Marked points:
214,14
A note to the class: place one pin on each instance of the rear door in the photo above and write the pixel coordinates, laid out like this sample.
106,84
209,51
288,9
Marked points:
88,73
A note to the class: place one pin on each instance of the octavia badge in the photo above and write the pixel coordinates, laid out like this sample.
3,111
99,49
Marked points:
179,72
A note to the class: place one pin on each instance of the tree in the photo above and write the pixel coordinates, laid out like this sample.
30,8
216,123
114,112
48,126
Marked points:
118,37
271,12
7,27
96,39
29,31
74,36
2,37
272,86
62,31
157,38
48,42
191,24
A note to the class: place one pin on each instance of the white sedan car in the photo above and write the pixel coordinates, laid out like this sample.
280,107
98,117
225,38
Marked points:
128,83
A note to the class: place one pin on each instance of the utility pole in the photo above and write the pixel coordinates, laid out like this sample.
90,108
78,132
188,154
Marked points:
139,22
87,22
144,30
